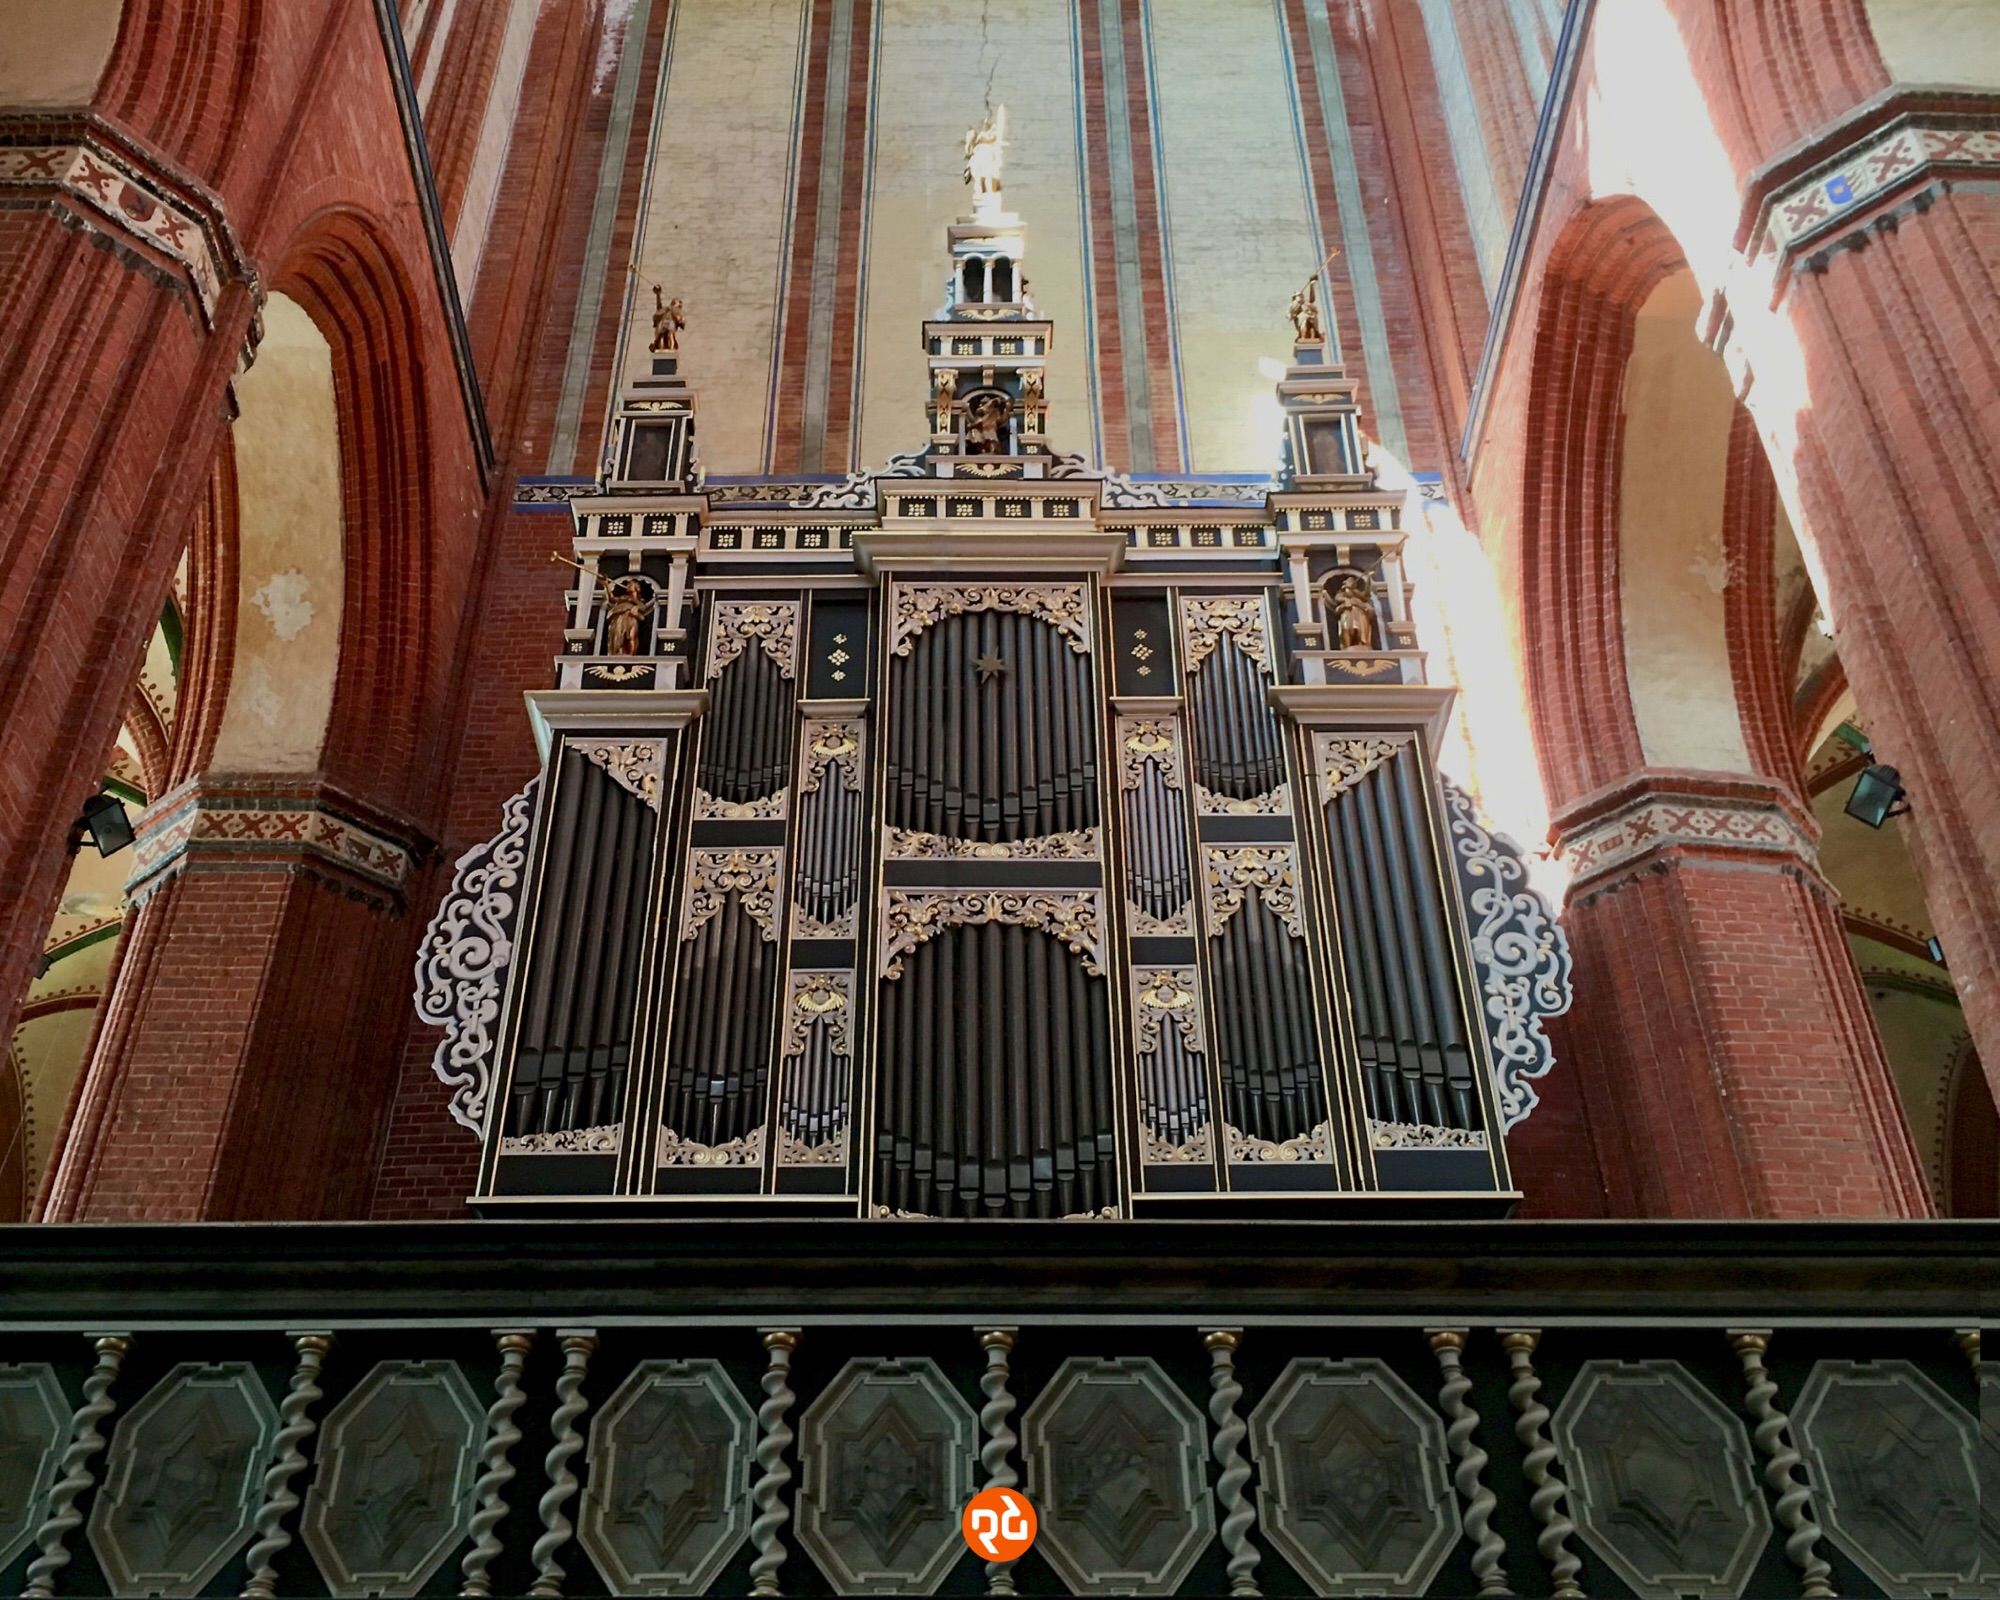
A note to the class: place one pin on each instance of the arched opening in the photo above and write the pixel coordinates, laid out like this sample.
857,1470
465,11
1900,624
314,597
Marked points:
1721,1001
238,678
285,651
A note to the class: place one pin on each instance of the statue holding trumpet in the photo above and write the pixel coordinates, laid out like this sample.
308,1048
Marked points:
628,602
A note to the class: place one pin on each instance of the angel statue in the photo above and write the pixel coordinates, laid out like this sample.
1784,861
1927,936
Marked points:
669,317
983,146
628,603
986,424
1306,328
1355,623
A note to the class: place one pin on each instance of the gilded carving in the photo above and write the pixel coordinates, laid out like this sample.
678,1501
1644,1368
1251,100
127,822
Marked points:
1148,739
747,1151
1423,1136
793,1152
832,743
1063,606
1207,618
1156,1152
1343,760
635,765
1165,994
767,808
1073,916
820,998
1315,1145
805,926
1234,872
1355,625
603,1139
1272,803
908,844
714,875
774,624
1145,924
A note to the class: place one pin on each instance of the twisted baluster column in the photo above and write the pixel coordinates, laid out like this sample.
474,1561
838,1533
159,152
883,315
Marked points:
998,1343
84,1442
296,1426
1802,1532
577,1345
1967,1340
773,1439
1531,1417
1238,1515
496,1471
1462,1422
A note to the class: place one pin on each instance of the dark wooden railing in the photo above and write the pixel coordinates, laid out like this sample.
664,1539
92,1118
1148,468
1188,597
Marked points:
670,1407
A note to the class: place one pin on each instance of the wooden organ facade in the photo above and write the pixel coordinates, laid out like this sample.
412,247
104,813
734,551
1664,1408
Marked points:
989,836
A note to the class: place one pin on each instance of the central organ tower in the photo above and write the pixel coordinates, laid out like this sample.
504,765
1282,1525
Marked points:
988,835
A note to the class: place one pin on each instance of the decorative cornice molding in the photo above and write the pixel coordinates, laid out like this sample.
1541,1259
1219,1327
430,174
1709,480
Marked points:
108,185
233,831
1652,814
1876,154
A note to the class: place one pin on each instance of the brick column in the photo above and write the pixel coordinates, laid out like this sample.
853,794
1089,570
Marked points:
1876,383
247,1058
124,310
1721,1040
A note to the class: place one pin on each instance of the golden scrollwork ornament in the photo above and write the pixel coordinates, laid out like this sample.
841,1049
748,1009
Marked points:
1235,872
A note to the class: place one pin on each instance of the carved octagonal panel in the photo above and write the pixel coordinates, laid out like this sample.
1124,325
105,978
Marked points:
183,1479
886,1458
1116,1468
667,1502
393,1493
34,1420
1354,1486
1662,1480
1893,1458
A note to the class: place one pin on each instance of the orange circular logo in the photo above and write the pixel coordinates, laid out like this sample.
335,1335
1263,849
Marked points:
998,1524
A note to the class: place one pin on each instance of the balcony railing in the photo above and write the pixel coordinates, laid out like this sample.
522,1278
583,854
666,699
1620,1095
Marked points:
632,1407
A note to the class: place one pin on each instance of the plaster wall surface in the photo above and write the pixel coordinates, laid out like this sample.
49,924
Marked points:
714,225
53,55
1938,41
931,66
1672,571
290,567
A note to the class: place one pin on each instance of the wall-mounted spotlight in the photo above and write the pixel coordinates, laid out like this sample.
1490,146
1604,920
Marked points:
1875,796
106,823
1936,949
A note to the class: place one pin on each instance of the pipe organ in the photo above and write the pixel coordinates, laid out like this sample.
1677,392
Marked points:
988,835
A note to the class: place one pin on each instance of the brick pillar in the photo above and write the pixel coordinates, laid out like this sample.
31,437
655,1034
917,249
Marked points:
1894,474
248,1055
1727,1062
123,312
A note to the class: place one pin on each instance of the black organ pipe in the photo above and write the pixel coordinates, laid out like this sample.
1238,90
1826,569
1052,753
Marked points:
718,1069
1234,733
1438,964
995,760
826,882
746,749
1004,1107
1416,1058
1269,1060
1159,877
1378,809
573,1047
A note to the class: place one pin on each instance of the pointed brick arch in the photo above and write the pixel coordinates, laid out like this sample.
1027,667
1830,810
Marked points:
349,280
1725,1052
